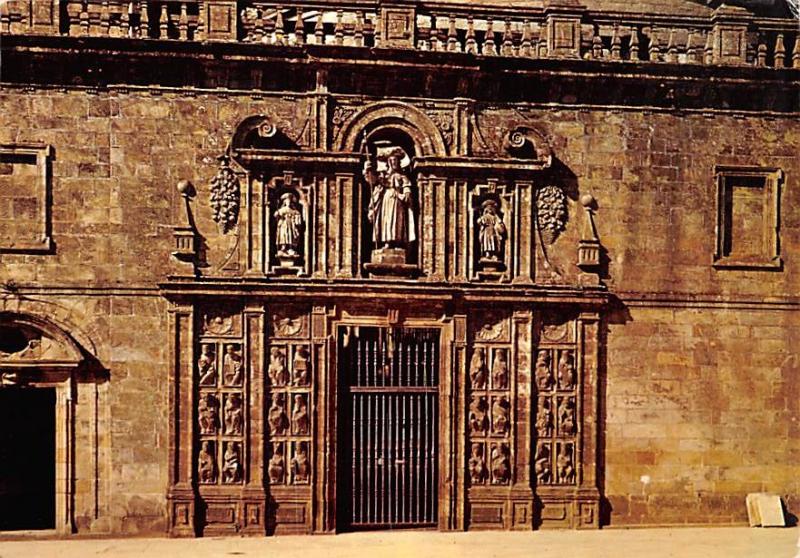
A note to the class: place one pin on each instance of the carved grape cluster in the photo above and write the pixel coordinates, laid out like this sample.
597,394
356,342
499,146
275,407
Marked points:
551,206
225,196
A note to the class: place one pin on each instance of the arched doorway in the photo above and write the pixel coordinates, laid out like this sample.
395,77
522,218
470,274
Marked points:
38,367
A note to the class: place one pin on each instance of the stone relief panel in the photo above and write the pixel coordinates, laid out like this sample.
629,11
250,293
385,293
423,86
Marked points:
489,414
221,404
289,378
556,382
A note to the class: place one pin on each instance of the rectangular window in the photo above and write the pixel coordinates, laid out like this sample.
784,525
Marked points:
747,217
25,174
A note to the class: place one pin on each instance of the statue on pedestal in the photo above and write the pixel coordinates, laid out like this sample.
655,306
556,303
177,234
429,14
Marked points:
390,207
491,235
288,229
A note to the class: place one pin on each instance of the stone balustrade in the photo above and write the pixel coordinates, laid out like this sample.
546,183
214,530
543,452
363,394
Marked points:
560,29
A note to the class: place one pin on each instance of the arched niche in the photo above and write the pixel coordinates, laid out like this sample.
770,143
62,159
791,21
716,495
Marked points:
36,354
375,119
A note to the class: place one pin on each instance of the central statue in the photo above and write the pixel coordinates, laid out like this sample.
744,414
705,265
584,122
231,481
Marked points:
391,205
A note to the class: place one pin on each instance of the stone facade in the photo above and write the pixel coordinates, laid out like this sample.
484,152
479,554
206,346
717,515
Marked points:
196,227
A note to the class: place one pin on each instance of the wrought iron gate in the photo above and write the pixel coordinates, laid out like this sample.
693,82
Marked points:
388,463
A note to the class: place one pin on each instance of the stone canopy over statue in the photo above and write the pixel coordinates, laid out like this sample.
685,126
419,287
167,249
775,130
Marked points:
390,210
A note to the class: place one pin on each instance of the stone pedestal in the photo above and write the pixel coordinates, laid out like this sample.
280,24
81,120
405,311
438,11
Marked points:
390,261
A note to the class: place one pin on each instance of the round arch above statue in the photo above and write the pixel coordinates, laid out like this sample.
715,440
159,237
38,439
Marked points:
382,117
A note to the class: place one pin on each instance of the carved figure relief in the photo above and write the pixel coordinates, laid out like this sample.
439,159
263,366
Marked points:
234,418
566,370
501,468
544,375
541,467
206,464
477,369
566,416
478,421
288,229
300,421
301,367
301,468
477,465
277,464
551,212
391,206
232,366
544,418
232,463
276,416
224,190
208,414
500,416
207,366
491,235
278,373
565,464
500,370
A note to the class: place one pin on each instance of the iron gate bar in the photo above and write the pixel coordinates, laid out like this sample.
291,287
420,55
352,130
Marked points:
392,378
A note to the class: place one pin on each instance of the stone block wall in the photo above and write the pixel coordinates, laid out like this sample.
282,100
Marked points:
701,394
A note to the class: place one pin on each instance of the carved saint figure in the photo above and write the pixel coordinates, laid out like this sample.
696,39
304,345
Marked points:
478,423
206,366
300,367
564,465
390,207
500,422
477,369
288,227
278,374
277,416
208,414
566,371
232,463
234,420
206,468
492,231
501,469
500,370
300,424
544,419
566,416
232,366
542,465
477,465
544,376
277,465
301,468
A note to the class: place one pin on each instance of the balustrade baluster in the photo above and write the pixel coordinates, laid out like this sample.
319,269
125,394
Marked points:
691,48
672,48
597,44
452,36
471,45
84,20
319,30
183,22
358,32
435,44
279,34
780,52
708,51
796,52
488,41
144,20
634,46
525,43
163,22
655,48
616,44
761,54
105,18
507,48
338,31
299,30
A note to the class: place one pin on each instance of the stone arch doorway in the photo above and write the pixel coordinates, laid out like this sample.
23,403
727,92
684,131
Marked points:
39,365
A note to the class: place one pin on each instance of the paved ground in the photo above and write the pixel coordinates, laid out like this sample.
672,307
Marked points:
722,542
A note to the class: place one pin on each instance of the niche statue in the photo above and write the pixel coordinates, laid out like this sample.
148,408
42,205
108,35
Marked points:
491,234
390,206
288,229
